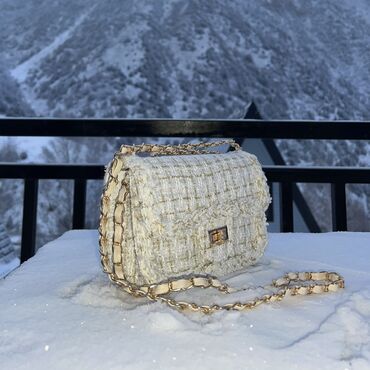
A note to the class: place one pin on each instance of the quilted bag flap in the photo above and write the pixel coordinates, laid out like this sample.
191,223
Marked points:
177,202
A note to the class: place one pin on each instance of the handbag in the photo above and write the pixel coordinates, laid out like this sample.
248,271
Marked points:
174,217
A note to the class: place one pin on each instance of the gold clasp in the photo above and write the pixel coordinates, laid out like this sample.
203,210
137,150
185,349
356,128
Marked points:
218,236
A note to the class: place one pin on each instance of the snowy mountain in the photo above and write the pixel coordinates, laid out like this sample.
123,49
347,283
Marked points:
162,58
169,58
12,102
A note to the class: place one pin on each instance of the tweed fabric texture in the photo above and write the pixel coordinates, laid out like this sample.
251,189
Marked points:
158,212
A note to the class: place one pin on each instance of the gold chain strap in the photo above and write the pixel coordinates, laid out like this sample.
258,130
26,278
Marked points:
325,282
321,282
181,149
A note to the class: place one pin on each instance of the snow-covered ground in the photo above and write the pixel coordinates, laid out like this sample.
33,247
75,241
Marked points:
6,268
59,311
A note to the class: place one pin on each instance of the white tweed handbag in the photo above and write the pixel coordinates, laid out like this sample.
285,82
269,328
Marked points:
183,215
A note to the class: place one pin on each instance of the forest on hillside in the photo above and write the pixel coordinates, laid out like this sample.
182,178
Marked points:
174,59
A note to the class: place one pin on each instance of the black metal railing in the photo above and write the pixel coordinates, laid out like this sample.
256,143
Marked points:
252,128
31,174
287,176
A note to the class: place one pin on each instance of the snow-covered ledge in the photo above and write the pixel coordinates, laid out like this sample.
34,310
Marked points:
59,311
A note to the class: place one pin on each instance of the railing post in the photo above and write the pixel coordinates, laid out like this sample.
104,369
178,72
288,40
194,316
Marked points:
286,207
79,204
270,209
338,206
29,222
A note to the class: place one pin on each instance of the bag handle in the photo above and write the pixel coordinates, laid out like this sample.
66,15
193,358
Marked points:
321,282
181,149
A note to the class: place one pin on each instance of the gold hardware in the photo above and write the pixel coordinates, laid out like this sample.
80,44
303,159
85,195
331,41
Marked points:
218,236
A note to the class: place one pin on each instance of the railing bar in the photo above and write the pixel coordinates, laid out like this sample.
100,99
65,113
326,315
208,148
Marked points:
286,207
79,204
29,222
341,130
51,171
293,174
338,206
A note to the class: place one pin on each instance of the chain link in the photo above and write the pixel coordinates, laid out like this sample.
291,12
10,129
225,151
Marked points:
181,149
325,285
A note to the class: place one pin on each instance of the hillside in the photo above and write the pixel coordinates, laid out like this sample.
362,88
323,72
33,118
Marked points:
169,58
296,59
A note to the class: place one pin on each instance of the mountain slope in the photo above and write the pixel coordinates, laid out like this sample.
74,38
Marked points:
296,59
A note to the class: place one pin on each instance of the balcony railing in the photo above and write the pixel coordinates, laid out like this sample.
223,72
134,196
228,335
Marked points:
287,176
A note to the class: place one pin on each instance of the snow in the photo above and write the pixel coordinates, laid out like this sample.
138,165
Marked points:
20,73
130,55
262,58
33,146
59,311
6,268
